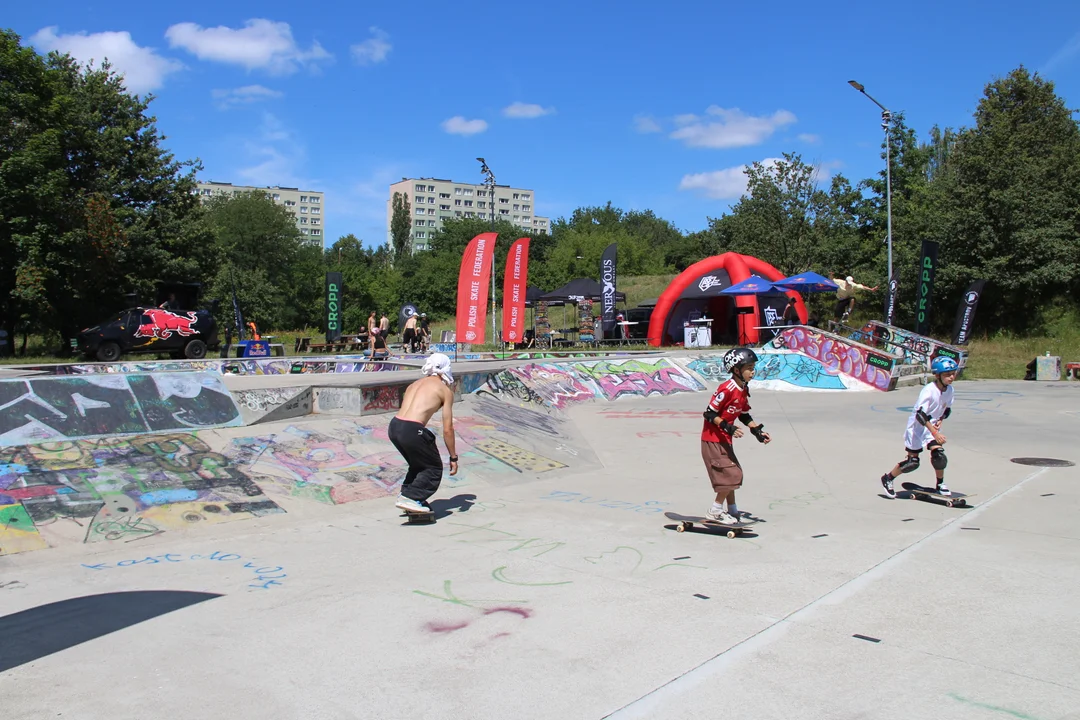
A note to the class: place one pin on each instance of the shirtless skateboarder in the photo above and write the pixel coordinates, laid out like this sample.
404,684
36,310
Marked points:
410,435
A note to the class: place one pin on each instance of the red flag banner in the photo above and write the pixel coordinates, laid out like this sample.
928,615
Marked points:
515,279
472,288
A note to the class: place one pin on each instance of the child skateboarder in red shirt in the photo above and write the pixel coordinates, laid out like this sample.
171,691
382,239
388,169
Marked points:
729,403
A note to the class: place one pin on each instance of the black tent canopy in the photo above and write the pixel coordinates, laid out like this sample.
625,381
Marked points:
580,288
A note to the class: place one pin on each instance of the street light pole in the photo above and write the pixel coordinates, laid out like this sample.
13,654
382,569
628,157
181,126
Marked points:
490,182
886,120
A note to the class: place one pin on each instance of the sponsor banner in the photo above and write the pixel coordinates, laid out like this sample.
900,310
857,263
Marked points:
609,279
472,292
333,306
890,301
965,314
927,268
514,282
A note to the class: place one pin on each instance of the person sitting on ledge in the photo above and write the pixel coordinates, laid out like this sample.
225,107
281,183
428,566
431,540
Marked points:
377,346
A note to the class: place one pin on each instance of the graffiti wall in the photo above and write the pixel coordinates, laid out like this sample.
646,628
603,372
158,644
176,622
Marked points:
65,408
637,378
908,346
119,490
262,405
840,355
250,366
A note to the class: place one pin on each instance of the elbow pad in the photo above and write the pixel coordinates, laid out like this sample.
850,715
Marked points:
710,415
947,413
922,417
745,419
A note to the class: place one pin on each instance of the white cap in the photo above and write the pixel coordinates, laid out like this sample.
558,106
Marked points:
439,364
850,279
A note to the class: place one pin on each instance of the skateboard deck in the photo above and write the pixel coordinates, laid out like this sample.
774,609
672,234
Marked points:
954,499
687,522
419,518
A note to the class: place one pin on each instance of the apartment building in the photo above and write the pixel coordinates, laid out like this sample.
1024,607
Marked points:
432,200
306,205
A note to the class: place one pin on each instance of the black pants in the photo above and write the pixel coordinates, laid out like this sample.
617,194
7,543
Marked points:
408,339
417,445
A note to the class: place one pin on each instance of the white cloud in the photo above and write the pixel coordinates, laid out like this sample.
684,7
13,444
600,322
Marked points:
143,69
373,50
277,156
1063,54
727,184
244,96
260,44
728,128
526,111
809,138
646,124
458,125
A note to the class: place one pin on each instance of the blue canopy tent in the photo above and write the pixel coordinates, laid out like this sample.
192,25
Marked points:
752,285
807,282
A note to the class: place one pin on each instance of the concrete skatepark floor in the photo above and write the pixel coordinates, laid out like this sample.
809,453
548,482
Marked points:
561,593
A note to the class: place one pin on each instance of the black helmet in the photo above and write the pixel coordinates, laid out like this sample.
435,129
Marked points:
737,357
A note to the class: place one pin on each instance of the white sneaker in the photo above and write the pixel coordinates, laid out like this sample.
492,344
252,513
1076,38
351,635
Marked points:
722,517
943,489
409,505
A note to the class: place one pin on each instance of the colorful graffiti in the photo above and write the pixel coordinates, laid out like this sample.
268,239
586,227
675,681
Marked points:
619,378
63,408
797,370
383,398
120,489
910,347
840,355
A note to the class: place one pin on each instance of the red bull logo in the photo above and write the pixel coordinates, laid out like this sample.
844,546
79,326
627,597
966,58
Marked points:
163,324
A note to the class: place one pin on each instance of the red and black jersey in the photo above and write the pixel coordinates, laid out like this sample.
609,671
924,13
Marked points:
729,402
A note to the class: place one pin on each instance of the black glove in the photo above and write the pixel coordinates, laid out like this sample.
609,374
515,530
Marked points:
757,432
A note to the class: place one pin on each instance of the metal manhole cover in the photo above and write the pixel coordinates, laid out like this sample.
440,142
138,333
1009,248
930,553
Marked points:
1043,462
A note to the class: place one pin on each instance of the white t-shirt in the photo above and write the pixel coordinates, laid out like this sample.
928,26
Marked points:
933,402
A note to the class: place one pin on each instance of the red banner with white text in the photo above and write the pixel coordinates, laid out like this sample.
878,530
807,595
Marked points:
514,281
472,288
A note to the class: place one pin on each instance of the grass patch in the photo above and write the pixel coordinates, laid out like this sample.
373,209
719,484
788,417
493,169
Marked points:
1006,358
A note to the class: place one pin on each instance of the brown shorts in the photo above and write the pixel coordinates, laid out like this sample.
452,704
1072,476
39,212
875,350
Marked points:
725,473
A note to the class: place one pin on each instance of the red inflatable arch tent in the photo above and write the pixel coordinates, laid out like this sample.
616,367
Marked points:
698,288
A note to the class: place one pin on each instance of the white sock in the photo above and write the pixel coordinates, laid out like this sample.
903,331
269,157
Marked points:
717,507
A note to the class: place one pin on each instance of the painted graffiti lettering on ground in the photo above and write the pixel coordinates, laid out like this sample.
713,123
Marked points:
263,575
120,489
44,409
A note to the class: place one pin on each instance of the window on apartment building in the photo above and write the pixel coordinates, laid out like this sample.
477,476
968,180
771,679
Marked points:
303,221
444,195
503,201
482,216
420,211
431,223
458,213
517,218
419,223
468,191
315,199
420,188
314,221
419,200
525,196
526,208
515,196
431,201
431,211
290,203
516,206
481,193
481,203
469,214
458,203
316,211
504,212
431,188
444,207
458,191
276,197
421,234
207,192
303,209
468,203
303,198
316,232
304,230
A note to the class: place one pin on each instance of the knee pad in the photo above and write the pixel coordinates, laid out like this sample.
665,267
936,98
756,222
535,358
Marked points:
909,464
938,459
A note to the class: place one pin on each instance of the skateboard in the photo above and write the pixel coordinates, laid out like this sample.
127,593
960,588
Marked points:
954,499
419,518
687,522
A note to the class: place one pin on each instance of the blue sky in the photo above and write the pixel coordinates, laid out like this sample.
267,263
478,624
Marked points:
649,105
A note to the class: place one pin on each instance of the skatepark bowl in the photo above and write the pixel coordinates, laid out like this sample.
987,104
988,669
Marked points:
199,541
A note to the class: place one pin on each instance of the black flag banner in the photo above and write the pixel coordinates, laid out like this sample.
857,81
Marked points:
965,314
927,268
333,306
608,277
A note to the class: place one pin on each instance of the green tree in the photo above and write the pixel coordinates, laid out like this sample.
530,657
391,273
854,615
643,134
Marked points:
400,224
1009,199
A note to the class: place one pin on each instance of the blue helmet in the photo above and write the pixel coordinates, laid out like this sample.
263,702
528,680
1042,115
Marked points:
943,364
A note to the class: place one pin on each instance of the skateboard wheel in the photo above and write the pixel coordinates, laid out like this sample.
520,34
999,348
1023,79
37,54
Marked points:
731,533
948,503
681,527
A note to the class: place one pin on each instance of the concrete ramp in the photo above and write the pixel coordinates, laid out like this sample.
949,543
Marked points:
839,355
910,347
45,409
777,370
